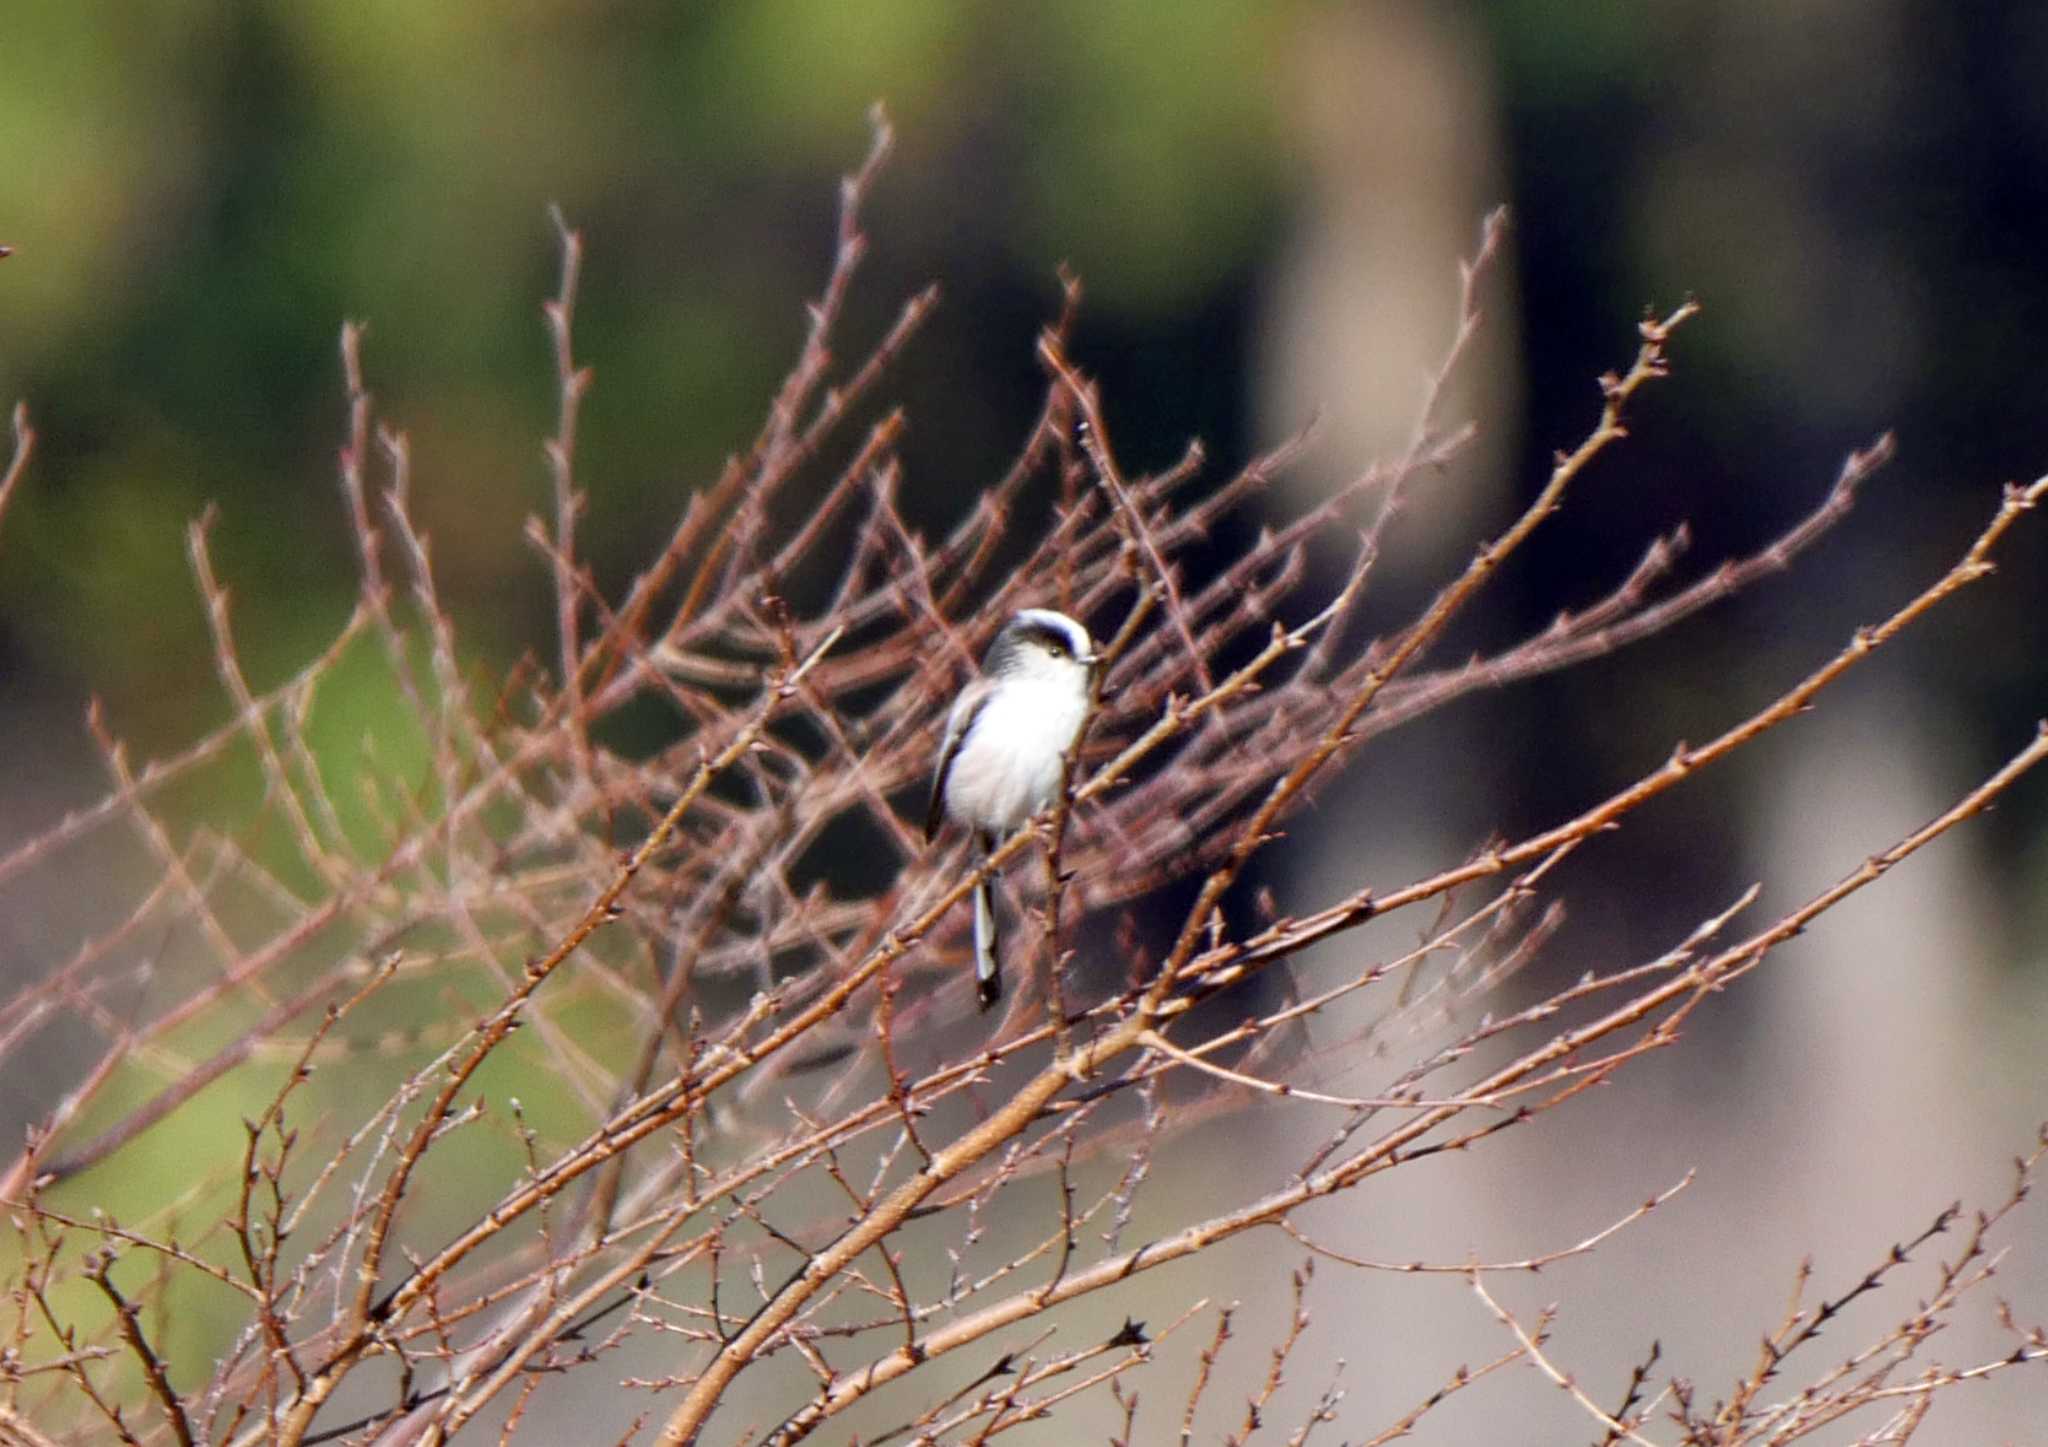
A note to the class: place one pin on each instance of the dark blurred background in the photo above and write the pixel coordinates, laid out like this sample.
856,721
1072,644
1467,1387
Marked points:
1266,204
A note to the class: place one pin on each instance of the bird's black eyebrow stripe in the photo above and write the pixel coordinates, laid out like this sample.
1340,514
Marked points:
1050,634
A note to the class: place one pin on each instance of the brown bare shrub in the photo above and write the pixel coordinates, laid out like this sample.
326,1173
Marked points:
714,1037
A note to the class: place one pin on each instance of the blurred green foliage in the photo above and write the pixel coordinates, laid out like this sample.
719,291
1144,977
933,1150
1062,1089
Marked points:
204,192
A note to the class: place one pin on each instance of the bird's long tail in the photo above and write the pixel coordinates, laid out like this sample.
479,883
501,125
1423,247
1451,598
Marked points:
988,969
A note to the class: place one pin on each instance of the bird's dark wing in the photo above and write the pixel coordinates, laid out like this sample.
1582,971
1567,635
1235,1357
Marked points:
958,723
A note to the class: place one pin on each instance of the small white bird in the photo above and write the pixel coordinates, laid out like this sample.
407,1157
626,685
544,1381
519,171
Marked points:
1005,742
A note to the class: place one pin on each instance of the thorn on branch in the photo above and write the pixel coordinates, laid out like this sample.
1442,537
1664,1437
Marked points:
1131,1334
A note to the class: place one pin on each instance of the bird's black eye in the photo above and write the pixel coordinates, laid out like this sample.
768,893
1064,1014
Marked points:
1057,648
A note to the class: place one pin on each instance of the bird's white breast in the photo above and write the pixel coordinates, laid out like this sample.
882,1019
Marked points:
1008,767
